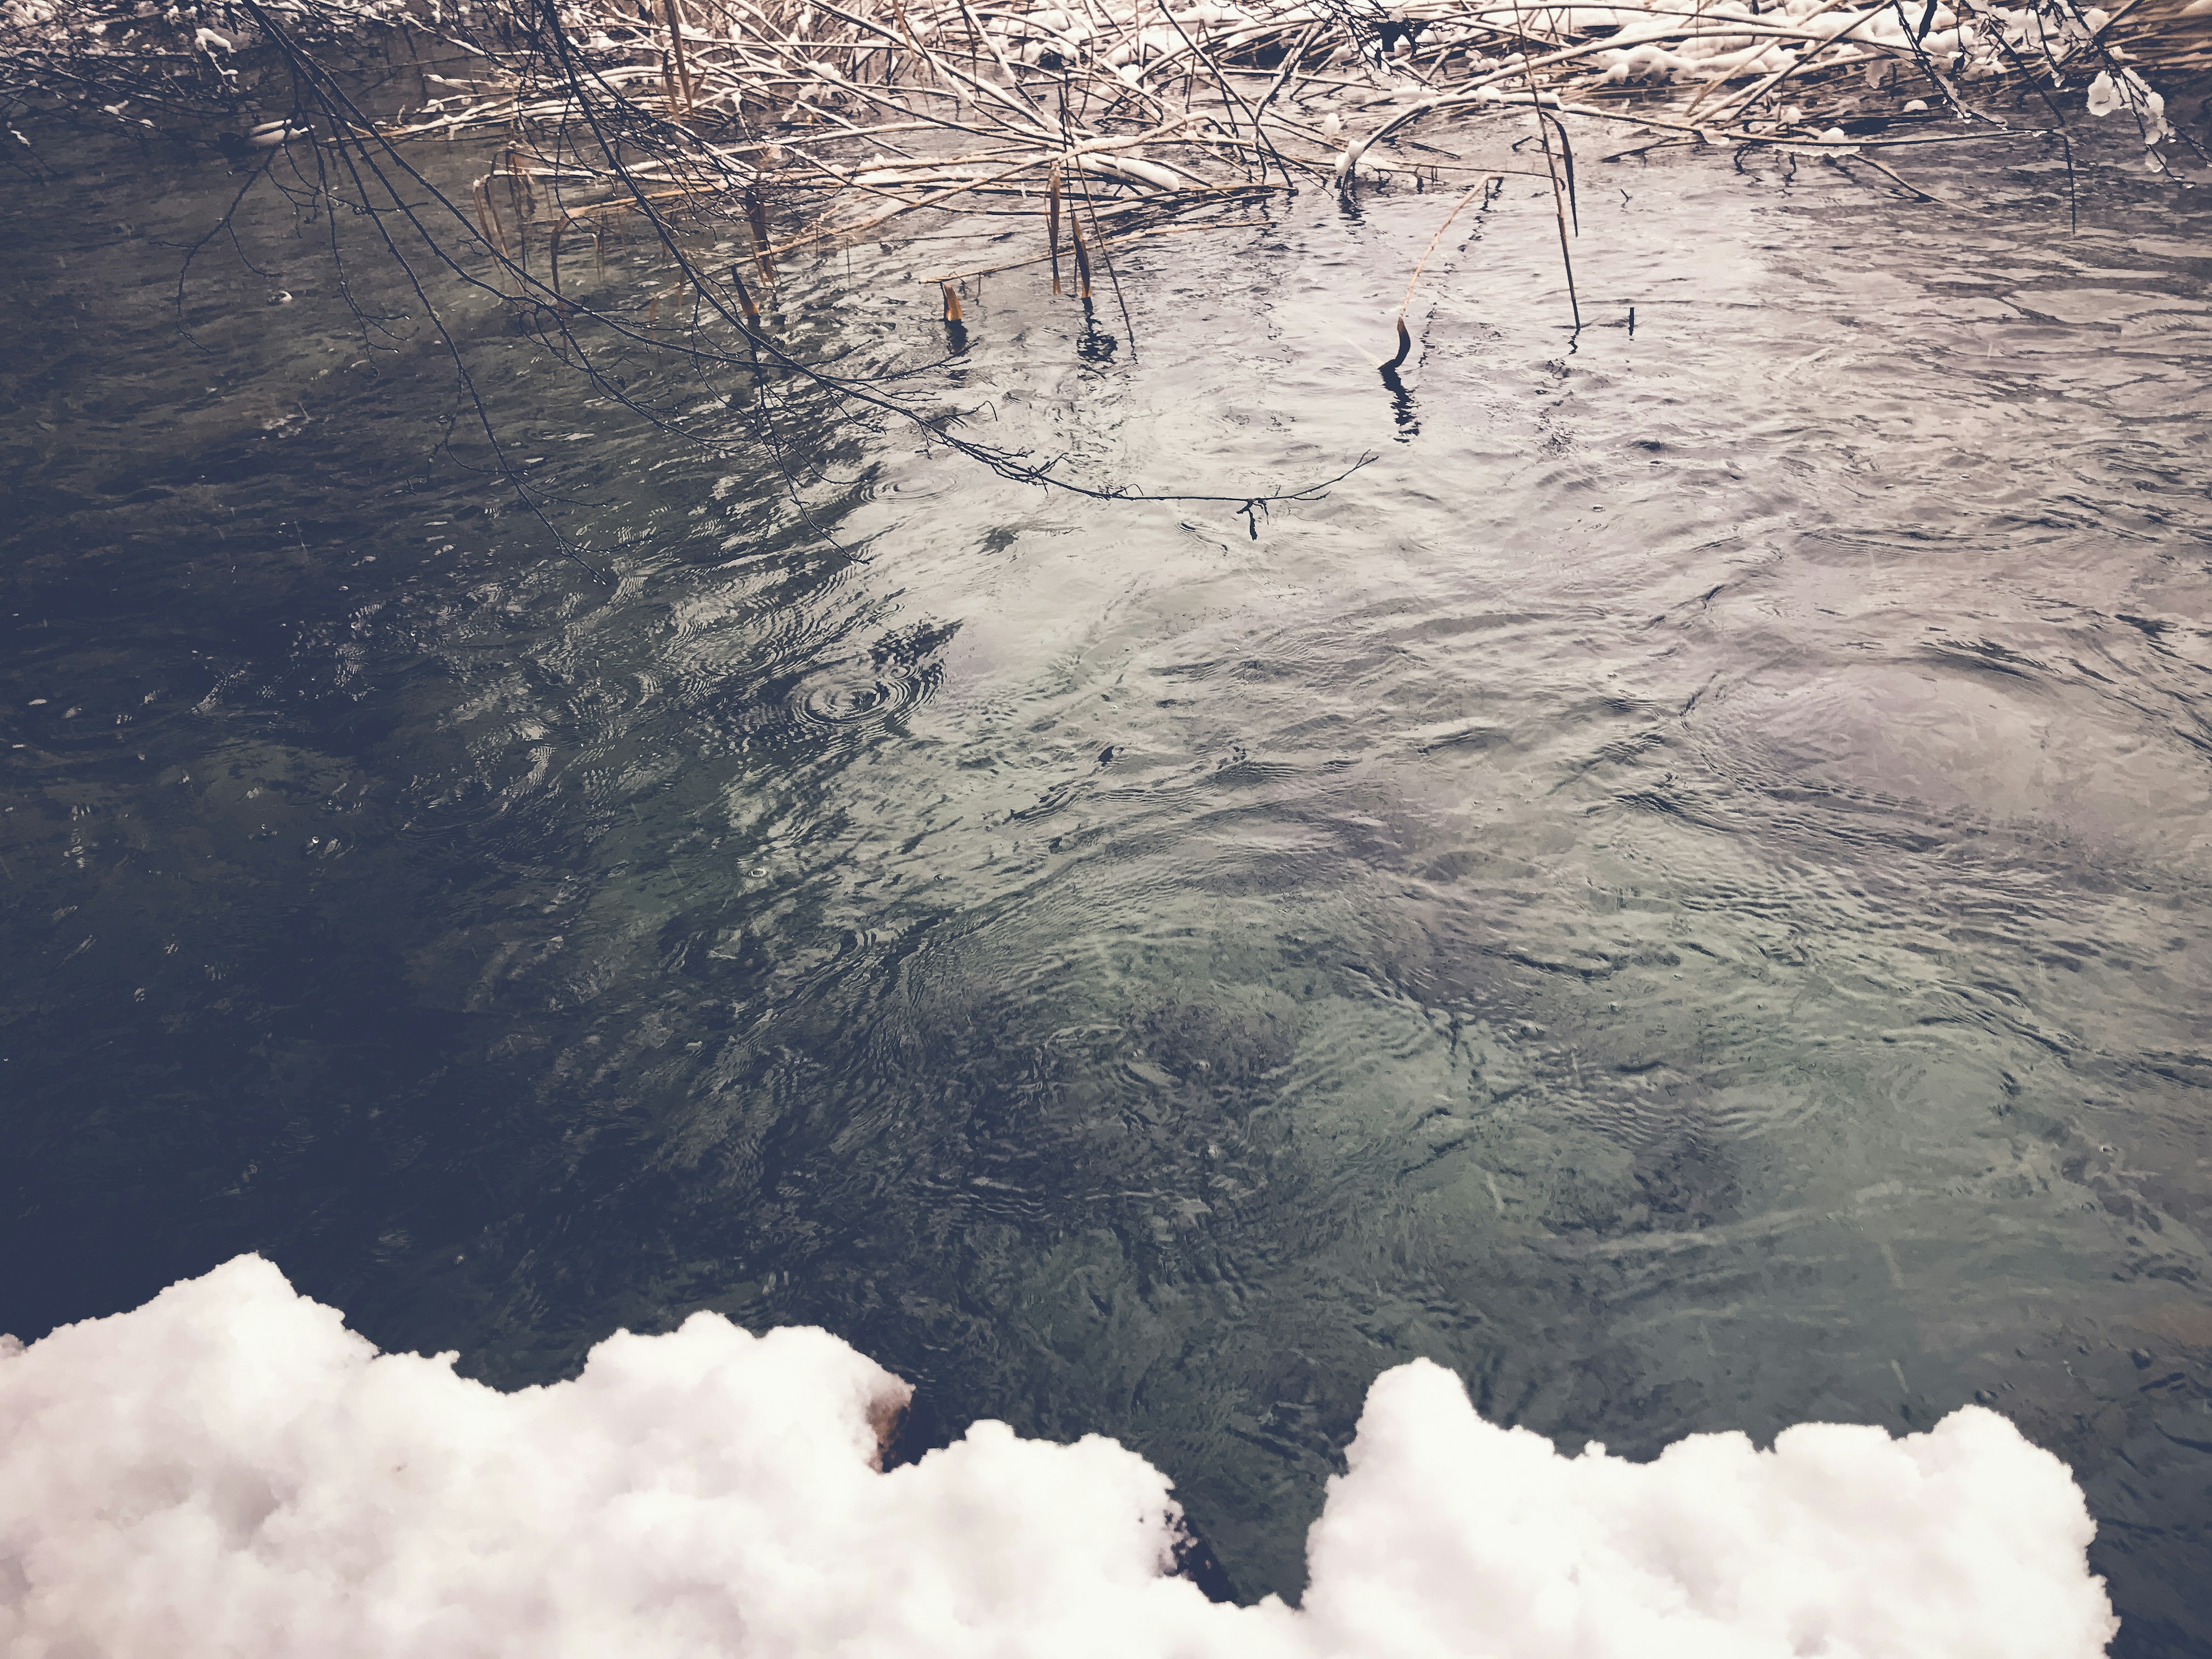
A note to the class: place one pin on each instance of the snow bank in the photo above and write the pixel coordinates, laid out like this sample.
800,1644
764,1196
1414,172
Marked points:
228,1471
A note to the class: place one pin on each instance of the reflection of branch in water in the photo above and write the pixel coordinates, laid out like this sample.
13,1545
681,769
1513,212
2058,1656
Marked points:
1403,410
1093,345
956,326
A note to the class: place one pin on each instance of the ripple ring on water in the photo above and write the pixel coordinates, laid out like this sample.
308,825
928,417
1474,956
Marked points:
853,695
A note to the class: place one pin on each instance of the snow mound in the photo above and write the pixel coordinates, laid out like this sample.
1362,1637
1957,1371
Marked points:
227,1471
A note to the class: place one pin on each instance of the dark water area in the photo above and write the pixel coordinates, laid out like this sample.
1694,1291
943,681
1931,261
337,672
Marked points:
1682,891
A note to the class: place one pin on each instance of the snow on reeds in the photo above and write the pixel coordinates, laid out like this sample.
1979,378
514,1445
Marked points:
848,115
855,114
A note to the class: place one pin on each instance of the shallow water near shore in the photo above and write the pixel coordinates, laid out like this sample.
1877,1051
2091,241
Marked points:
1682,891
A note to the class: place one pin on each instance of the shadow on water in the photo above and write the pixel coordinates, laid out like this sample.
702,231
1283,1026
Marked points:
1681,894
1403,410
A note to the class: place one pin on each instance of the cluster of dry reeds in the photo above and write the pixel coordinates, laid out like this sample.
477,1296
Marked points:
835,116
826,118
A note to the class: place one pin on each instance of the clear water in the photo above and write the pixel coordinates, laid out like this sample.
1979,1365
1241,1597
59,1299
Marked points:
1683,890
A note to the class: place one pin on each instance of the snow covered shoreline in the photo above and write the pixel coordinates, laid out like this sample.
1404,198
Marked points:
228,1471
1218,90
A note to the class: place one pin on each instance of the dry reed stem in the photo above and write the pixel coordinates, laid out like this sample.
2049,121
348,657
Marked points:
1052,222
683,91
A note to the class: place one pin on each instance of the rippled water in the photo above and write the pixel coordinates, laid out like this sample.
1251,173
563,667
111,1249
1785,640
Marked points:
1680,890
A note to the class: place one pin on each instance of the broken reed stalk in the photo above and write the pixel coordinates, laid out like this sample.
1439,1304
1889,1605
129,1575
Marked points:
521,195
1406,302
1558,200
1561,200
1106,254
1052,222
495,234
1082,259
680,103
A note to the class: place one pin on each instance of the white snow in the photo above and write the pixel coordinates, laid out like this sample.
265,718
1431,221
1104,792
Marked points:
227,1471
2129,92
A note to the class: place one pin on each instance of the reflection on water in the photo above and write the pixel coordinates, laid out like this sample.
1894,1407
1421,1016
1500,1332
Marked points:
1681,891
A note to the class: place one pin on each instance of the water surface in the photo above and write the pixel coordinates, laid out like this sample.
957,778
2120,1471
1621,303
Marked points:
1679,892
